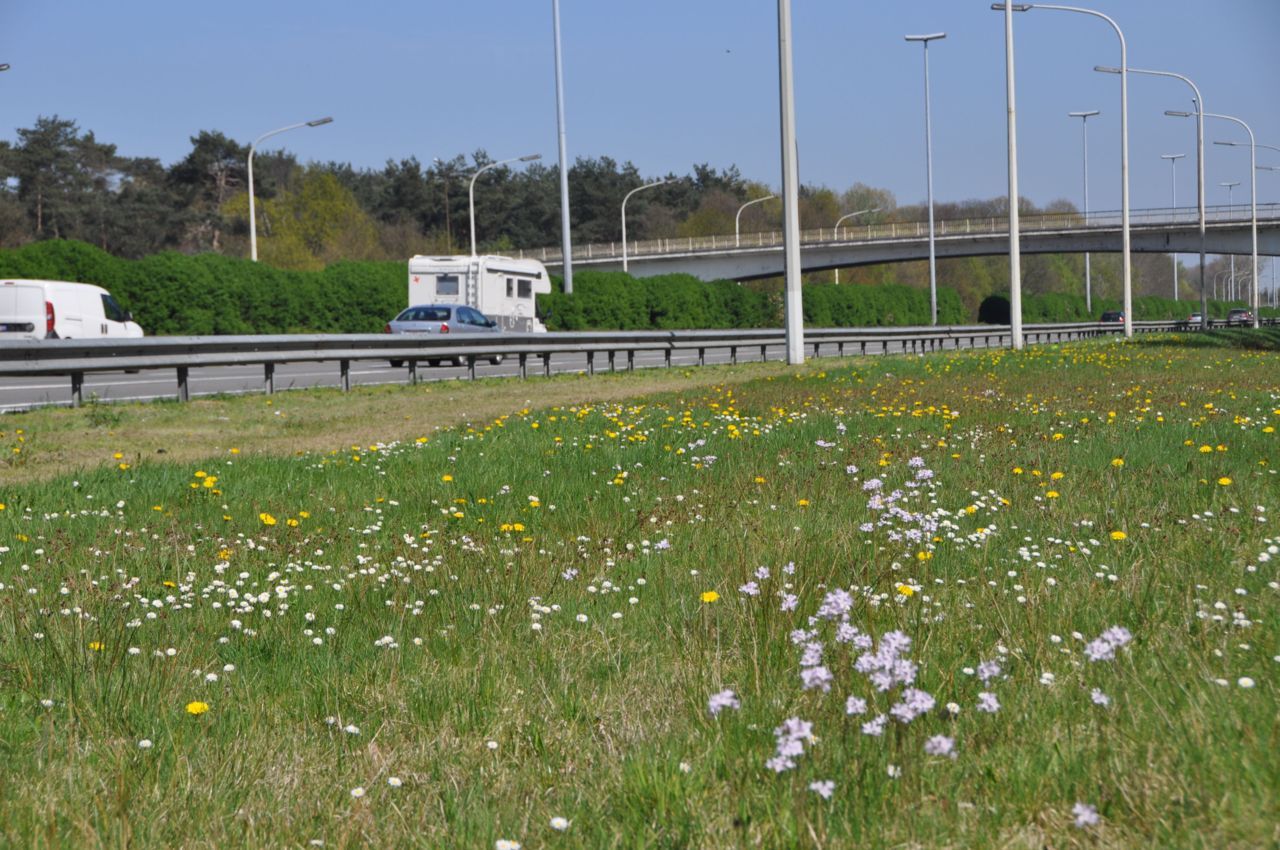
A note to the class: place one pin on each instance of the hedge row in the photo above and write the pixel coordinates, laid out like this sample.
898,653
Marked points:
1055,307
212,294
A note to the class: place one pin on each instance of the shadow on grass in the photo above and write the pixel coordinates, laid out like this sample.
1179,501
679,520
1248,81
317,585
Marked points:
1260,339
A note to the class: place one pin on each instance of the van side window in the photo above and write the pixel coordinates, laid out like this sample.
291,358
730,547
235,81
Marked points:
447,284
112,310
526,288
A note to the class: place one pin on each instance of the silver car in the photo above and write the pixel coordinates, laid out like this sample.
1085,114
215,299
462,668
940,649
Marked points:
443,319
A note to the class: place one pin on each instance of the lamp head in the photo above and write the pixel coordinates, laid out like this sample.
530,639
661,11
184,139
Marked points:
1088,114
319,121
531,157
1232,144
1017,7
1172,155
926,38
4,67
1172,113
1106,69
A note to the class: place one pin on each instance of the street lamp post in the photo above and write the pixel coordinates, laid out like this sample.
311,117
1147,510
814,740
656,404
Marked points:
471,190
1253,194
792,297
928,157
1200,196
1084,137
1173,185
253,221
566,247
1009,7
624,216
835,230
1015,249
1231,290
737,219
448,226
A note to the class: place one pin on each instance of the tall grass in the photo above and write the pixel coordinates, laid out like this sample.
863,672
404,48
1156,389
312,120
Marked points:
526,618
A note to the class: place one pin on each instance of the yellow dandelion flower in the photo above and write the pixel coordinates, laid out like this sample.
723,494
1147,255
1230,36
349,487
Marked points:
710,596
804,503
906,589
1052,494
267,519
291,522
96,645
446,478
1118,535
196,708
1224,481
1117,462
759,479
304,514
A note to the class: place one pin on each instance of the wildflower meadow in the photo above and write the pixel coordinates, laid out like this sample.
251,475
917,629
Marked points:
970,599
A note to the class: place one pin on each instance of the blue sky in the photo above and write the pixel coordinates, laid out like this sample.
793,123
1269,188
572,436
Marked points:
664,83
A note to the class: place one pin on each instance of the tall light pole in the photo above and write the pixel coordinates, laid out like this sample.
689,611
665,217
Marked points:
624,215
1253,201
1015,248
566,248
1084,137
737,219
835,230
1124,143
1173,186
794,313
1231,290
471,190
253,221
928,159
1200,196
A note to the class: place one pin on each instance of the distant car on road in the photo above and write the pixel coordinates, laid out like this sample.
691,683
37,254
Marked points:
1195,320
1239,316
443,319
1112,316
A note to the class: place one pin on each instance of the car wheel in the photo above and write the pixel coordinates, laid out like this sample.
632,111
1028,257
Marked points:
497,361
433,361
456,361
396,364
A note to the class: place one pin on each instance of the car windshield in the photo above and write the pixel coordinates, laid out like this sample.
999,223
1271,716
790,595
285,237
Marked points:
424,314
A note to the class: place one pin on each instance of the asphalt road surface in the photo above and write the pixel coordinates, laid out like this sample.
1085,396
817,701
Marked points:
24,393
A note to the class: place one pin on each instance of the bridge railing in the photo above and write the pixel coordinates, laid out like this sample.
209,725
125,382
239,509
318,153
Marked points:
76,358
883,231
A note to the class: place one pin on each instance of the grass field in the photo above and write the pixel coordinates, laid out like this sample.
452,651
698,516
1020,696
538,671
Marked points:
964,600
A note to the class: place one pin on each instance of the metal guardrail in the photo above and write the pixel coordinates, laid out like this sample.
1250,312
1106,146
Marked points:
75,358
1187,216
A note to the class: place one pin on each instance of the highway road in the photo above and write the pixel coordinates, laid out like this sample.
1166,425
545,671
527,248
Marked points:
24,393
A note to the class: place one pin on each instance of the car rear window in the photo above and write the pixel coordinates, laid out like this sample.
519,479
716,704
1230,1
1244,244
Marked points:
424,314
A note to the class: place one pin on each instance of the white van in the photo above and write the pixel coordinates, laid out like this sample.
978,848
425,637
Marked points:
503,288
57,309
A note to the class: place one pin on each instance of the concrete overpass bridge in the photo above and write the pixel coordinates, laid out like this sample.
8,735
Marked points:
758,255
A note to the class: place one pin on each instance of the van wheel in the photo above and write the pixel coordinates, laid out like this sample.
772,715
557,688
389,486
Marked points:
396,364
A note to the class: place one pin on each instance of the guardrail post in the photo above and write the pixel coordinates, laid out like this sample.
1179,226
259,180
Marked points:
668,357
840,348
631,360
344,369
764,353
591,362
546,365
77,388
702,357
269,377
413,373
733,354
816,345
524,366
184,391
471,367
862,348
612,353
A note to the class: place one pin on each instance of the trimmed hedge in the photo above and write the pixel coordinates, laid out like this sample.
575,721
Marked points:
211,294
1055,307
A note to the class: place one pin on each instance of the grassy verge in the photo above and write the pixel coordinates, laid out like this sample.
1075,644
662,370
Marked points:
973,599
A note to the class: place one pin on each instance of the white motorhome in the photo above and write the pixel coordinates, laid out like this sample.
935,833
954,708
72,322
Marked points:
58,309
503,288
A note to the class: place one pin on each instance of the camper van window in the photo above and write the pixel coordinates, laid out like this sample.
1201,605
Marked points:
511,288
447,284
526,288
112,310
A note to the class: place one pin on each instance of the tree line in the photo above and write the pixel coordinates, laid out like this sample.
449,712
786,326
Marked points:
62,182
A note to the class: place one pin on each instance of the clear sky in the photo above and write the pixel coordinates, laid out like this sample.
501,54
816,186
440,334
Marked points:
663,83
